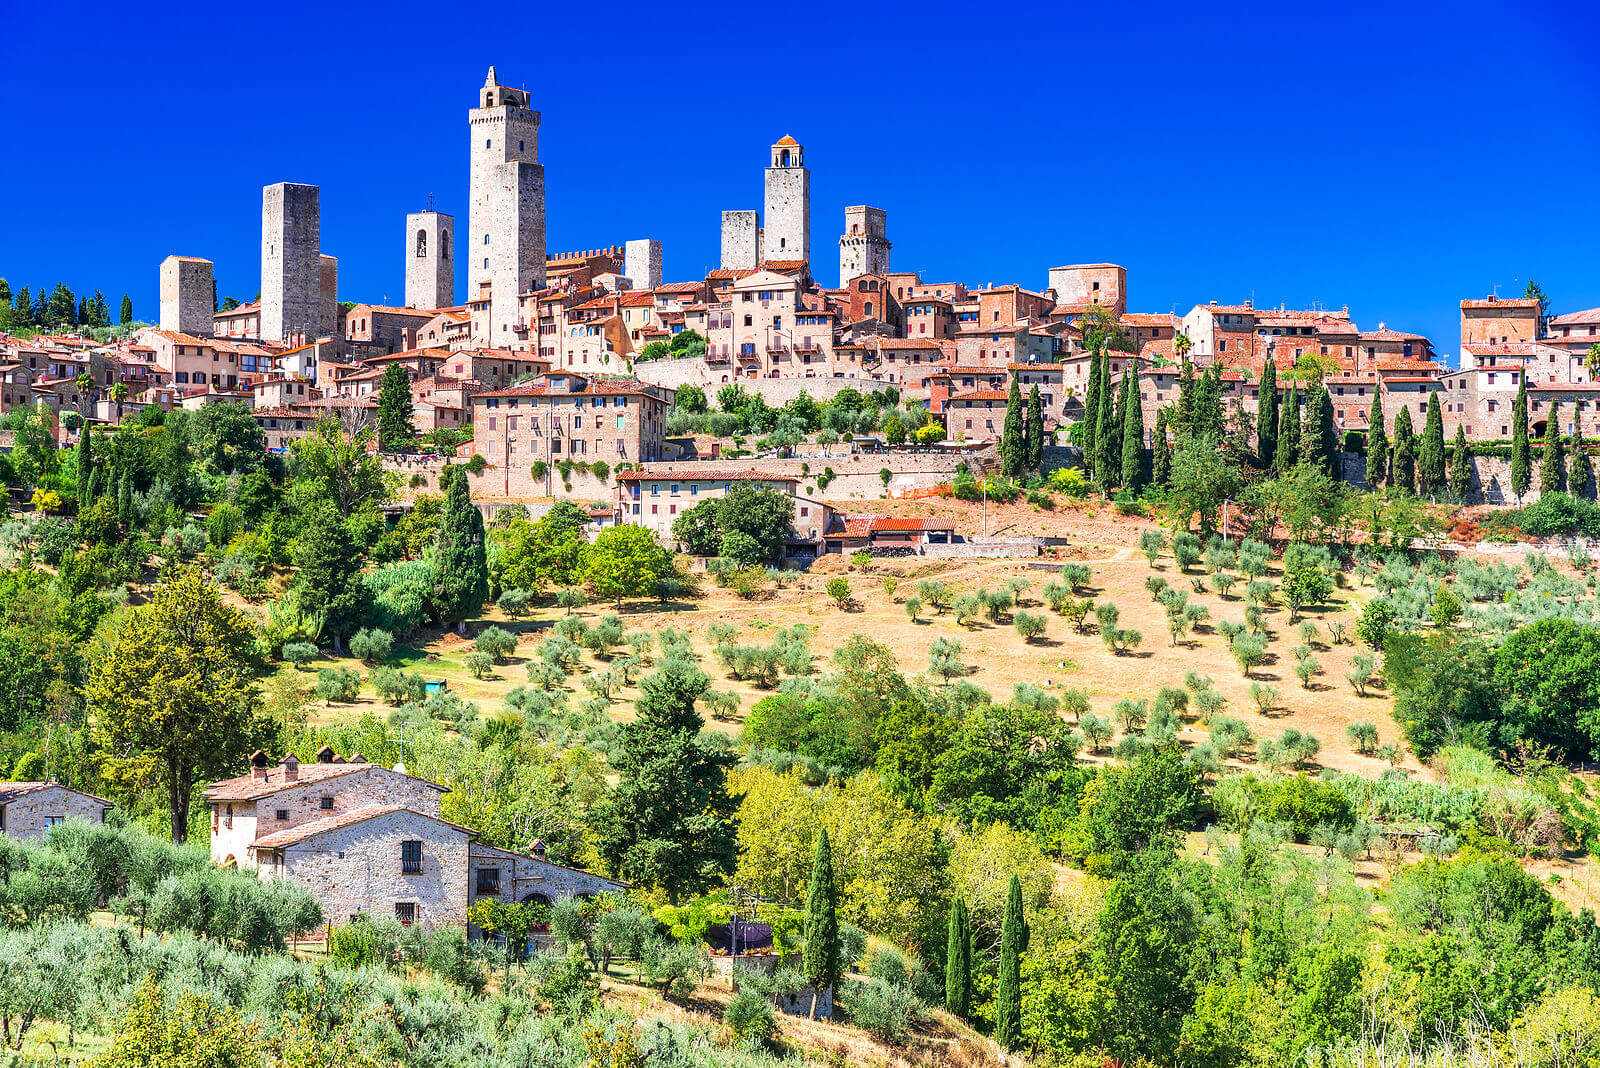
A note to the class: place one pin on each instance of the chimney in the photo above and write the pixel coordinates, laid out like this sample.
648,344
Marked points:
258,766
291,768
325,755
357,758
537,848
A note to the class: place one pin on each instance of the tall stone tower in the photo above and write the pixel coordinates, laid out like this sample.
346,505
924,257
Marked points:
641,263
430,260
786,233
328,296
505,245
291,265
741,240
864,246
186,296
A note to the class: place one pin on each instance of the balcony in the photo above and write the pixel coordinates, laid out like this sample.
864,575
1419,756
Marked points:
808,348
749,357
777,348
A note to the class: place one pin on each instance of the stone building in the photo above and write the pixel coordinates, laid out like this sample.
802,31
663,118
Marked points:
328,295
655,498
30,809
741,240
506,212
1499,320
864,246
564,416
186,295
1077,286
291,263
430,260
392,329
641,263
786,230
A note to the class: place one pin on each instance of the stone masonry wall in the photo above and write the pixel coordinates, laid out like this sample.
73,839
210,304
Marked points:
376,785
186,296
740,243
357,869
29,815
291,266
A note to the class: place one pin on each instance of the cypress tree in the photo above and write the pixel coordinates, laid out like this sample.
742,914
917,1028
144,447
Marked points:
1331,447
95,487
1008,983
1207,411
1287,451
1521,458
1460,466
1091,413
1267,415
125,502
1405,451
1553,462
1161,456
394,409
1183,417
958,962
1133,476
85,467
127,310
1013,435
1107,449
820,929
1430,456
460,559
1377,444
1311,442
1579,470
1035,457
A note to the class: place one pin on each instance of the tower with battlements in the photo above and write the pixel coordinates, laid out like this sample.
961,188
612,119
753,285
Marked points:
430,260
864,245
786,227
505,239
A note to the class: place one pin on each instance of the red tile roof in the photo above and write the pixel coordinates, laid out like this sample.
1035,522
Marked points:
694,472
292,835
1588,315
1499,302
599,386
982,395
10,791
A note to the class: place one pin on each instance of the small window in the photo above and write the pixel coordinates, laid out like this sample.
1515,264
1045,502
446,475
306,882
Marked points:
405,912
327,804
283,813
488,880
411,858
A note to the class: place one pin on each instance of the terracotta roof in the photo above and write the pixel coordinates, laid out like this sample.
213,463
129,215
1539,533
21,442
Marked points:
246,788
289,837
253,306
1566,387
907,343
10,791
1390,335
384,309
1055,367
593,386
783,265
1409,378
885,522
1149,319
970,369
1499,302
680,287
719,474
409,354
786,140
1588,315
982,395
732,275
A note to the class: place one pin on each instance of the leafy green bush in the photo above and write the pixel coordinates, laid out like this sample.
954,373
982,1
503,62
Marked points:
883,1009
340,685
497,642
371,645
749,1016
299,654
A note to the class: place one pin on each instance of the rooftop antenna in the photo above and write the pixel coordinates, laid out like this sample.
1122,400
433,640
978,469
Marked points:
431,203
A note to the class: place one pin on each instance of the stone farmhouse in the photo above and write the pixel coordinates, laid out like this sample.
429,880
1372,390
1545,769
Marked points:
30,809
365,839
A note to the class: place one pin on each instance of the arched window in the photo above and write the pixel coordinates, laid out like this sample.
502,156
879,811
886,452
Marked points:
422,243
444,244
785,158
869,307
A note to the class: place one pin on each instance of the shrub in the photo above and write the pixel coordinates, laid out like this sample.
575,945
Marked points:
1265,695
365,942
883,1009
1151,542
839,591
479,664
497,642
299,654
1360,671
750,1018
1305,669
515,602
338,684
1096,730
1363,737
1248,650
371,645
1230,737
913,606
396,687
1077,575
1029,626
1186,550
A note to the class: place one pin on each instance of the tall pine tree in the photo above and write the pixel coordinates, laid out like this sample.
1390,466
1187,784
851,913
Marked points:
1311,443
1161,454
958,962
1008,983
1013,435
1267,415
460,556
1107,448
1133,472
1405,451
1460,466
1430,454
1332,449
85,467
1035,424
1521,452
1579,469
126,316
820,930
1091,413
1287,452
395,430
1553,462
1377,444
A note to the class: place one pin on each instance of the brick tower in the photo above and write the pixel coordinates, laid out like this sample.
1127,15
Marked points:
786,233
505,245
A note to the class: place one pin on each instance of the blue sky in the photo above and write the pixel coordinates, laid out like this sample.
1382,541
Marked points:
1394,157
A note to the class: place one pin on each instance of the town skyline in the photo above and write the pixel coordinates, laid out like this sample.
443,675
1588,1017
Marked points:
941,210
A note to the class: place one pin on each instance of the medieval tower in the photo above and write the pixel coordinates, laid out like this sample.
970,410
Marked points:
291,264
741,240
187,296
430,260
864,246
505,240
786,231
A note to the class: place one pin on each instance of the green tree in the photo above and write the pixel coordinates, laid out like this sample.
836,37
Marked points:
1329,446
1377,444
1133,469
174,698
894,429
1461,465
1267,410
1521,454
958,963
1553,460
820,929
1014,435
1107,444
1549,671
1580,469
460,571
395,430
1405,451
1008,981
762,513
1161,453
1203,476
126,317
1287,451
1035,428
1091,409
1536,292
1430,456
328,585
338,467
625,561
690,399
670,822
84,466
